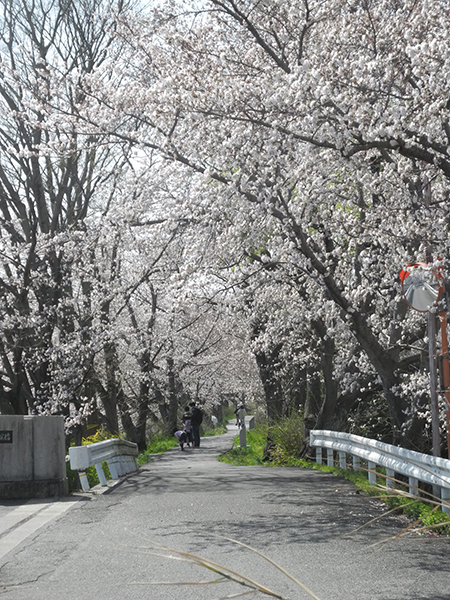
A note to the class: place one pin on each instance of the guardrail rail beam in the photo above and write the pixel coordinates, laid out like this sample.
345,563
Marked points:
120,456
415,465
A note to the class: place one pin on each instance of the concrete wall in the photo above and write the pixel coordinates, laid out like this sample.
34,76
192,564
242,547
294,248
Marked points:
32,457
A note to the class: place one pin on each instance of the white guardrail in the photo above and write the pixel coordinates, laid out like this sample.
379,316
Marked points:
120,456
416,466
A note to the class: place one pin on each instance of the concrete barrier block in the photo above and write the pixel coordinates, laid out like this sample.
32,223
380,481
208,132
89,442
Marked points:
32,457
16,454
48,447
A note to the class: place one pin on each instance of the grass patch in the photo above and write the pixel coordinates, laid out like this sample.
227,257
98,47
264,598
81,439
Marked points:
285,440
157,445
253,454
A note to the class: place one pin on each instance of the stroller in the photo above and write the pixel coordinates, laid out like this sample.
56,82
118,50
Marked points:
187,426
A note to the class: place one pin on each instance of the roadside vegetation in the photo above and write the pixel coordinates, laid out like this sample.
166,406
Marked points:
285,448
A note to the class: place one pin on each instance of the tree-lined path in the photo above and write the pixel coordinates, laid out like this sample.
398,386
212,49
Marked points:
100,548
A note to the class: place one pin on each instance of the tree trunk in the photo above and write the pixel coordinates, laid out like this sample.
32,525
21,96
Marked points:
326,418
270,380
173,399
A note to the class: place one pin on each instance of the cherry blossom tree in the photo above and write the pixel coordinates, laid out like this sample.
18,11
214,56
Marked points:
315,125
211,179
98,323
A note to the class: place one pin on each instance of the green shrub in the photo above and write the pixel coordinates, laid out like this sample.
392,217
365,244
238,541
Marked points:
99,436
287,438
157,445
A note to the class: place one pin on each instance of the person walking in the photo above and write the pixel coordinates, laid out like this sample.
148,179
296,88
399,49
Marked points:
196,421
240,415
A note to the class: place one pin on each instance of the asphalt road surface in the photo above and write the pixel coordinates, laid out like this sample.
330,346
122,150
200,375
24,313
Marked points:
106,547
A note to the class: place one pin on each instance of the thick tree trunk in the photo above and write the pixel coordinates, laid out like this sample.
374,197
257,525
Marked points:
314,400
386,366
141,426
326,418
312,407
270,380
146,367
173,398
109,395
127,424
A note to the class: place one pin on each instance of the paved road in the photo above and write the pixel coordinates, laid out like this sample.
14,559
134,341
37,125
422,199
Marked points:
102,548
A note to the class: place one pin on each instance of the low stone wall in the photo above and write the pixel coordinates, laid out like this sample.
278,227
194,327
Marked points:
32,457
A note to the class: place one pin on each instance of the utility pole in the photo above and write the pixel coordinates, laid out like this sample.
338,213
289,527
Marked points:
423,287
433,383
445,366
432,344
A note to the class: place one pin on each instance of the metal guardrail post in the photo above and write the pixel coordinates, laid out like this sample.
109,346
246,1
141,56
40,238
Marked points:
372,473
319,458
112,466
101,474
390,476
330,457
84,481
445,498
413,483
242,430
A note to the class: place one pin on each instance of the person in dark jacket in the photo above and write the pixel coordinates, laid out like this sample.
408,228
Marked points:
196,421
240,415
